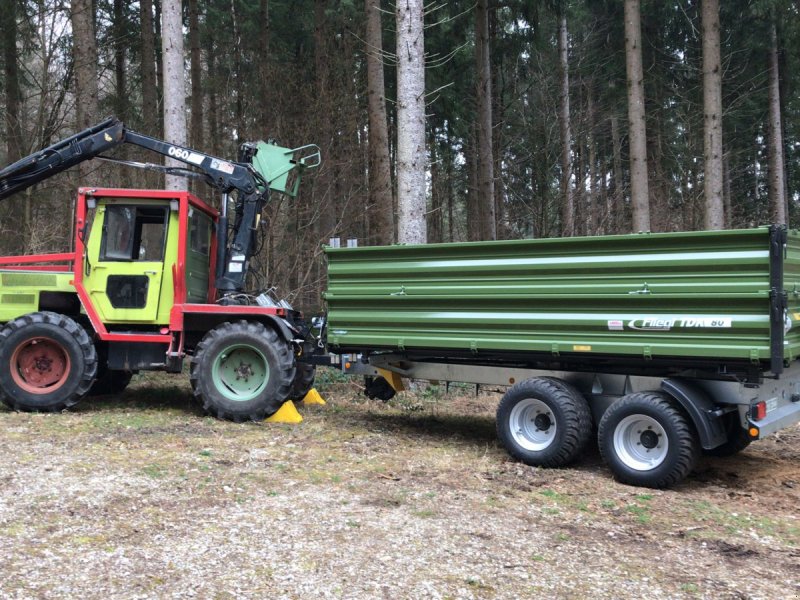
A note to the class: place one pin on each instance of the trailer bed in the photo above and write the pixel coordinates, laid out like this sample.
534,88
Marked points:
726,301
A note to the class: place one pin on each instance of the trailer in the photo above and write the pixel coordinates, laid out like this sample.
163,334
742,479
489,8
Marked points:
665,344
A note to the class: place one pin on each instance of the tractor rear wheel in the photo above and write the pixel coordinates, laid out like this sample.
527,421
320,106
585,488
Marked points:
242,371
47,362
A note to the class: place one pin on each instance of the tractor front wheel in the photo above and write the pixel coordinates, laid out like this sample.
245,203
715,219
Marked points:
242,371
47,362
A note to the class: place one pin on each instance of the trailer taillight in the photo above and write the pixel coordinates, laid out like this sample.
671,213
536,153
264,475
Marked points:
759,411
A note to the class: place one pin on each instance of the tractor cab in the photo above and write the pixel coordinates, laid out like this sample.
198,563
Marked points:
142,252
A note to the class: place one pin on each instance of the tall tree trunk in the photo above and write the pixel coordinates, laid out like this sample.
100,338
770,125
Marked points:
123,176
640,194
196,71
484,106
473,205
238,79
212,117
411,195
325,197
616,215
149,81
9,32
712,117
159,54
777,184
498,118
266,107
13,127
120,75
595,222
174,86
568,198
85,52
434,216
381,215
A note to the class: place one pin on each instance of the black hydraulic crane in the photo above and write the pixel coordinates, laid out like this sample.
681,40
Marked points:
250,184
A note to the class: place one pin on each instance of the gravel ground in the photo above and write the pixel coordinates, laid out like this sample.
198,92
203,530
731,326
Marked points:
143,497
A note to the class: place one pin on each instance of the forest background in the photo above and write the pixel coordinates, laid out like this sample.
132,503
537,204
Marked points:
530,126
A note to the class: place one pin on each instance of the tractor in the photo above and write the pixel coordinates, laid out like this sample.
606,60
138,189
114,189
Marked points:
154,277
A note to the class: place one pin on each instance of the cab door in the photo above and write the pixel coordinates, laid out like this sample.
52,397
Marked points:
124,265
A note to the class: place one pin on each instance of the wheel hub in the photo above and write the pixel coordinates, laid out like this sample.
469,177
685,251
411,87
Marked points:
542,422
641,442
244,371
649,439
533,424
240,372
40,365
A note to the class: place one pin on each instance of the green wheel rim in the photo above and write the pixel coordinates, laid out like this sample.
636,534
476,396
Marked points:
240,372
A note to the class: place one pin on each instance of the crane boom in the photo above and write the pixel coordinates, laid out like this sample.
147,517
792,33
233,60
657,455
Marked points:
250,183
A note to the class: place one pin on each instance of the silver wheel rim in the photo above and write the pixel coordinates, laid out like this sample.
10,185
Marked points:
533,424
640,442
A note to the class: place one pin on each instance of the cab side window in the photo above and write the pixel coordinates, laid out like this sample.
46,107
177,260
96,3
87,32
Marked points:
199,232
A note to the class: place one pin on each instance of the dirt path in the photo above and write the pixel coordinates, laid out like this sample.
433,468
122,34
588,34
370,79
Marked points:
146,498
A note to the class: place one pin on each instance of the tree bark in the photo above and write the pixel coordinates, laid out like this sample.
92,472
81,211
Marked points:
640,194
17,209
484,109
777,184
411,197
121,102
9,31
265,106
174,84
712,117
85,52
616,213
149,81
325,210
568,198
381,221
196,71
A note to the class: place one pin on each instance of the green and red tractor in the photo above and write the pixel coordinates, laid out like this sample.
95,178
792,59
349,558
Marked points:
153,277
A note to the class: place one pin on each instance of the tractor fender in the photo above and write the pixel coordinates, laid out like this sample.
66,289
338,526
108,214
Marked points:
702,410
282,328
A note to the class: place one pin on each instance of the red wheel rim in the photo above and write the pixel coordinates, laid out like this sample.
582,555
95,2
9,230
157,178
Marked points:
40,365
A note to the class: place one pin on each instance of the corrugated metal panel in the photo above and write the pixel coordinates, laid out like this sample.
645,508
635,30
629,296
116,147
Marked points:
698,294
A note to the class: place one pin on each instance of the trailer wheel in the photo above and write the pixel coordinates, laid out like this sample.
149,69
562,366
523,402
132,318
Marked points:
242,371
303,381
738,439
646,440
47,362
544,422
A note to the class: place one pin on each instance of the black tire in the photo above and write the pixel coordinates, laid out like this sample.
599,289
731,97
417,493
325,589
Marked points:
544,422
303,381
377,388
225,390
111,382
647,440
47,362
738,438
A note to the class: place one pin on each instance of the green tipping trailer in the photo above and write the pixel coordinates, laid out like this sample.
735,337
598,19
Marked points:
668,342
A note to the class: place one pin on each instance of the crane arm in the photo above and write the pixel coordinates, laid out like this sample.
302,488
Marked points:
250,184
